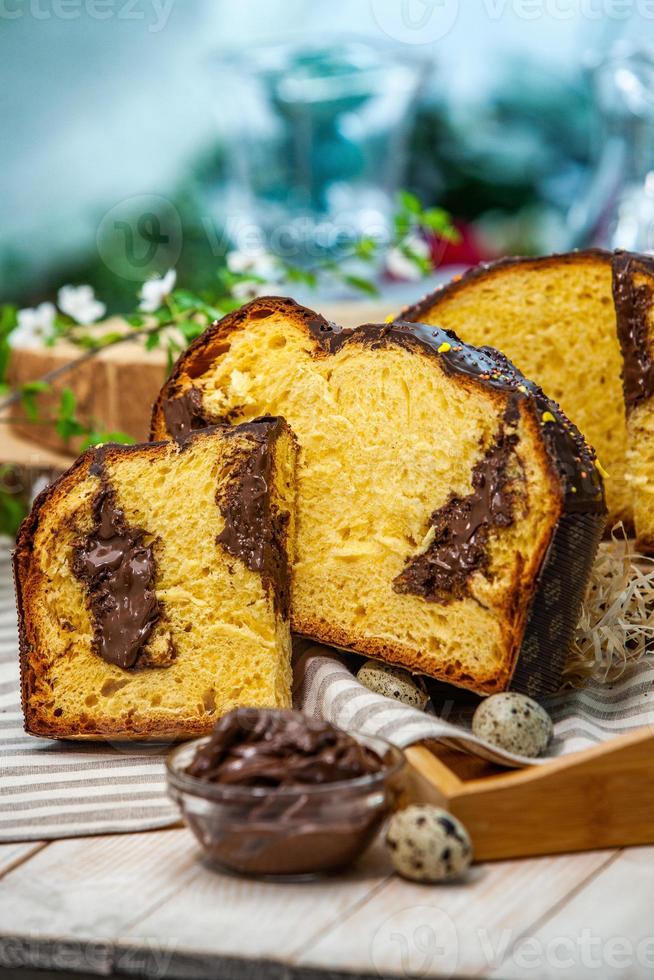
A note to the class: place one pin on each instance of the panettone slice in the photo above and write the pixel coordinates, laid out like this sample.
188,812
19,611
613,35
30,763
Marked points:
448,513
633,293
554,317
153,586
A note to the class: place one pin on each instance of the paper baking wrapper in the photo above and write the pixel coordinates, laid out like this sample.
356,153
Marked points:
556,606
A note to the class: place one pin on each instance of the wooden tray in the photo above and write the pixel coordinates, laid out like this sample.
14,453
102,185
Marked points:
600,797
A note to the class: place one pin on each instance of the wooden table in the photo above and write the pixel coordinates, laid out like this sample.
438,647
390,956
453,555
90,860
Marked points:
145,904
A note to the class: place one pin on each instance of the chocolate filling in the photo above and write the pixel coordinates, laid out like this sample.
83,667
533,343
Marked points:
632,306
184,414
259,747
119,572
462,527
255,530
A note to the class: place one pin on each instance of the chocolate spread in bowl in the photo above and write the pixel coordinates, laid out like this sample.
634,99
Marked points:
277,815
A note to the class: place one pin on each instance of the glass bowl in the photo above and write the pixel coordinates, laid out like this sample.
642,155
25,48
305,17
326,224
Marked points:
296,832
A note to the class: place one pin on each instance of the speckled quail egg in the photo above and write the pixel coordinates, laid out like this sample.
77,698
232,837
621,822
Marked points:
392,682
513,722
426,843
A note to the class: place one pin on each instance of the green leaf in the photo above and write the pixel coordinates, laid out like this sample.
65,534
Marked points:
8,319
451,234
67,403
35,387
366,249
13,510
97,437
163,316
109,338
402,225
186,300
28,392
152,340
67,428
293,273
409,202
117,436
135,320
436,219
424,264
190,330
363,285
66,424
8,322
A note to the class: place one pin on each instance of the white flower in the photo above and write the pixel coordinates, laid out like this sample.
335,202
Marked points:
79,302
155,291
398,262
254,262
35,326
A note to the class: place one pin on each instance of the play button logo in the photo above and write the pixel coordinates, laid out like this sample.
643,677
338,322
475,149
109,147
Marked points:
415,21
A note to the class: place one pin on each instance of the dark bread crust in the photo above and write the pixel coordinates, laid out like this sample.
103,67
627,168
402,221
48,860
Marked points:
25,590
633,305
473,367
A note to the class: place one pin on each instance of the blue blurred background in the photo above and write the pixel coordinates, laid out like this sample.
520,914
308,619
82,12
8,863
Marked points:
185,122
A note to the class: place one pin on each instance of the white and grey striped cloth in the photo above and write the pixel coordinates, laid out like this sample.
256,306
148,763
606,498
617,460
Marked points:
325,686
52,789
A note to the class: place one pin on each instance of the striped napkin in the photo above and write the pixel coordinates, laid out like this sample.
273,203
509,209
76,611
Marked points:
326,687
52,789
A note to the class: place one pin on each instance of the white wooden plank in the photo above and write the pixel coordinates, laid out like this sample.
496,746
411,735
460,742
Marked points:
215,917
93,887
454,930
606,929
122,902
12,855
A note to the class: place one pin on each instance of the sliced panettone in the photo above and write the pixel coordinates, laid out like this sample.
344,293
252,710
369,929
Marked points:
633,293
448,513
153,586
555,318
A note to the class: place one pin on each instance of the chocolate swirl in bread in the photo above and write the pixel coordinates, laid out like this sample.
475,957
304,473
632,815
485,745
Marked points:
535,450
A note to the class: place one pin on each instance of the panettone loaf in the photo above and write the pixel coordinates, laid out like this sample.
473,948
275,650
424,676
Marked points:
554,316
153,586
633,293
441,497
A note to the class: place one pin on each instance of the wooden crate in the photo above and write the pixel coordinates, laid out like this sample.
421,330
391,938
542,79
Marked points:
600,797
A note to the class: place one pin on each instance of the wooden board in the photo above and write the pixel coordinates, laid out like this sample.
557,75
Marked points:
116,389
601,797
147,905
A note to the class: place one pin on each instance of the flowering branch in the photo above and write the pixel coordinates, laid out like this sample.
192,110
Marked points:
175,316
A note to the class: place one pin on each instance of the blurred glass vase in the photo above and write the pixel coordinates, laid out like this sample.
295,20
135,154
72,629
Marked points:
618,209
314,143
